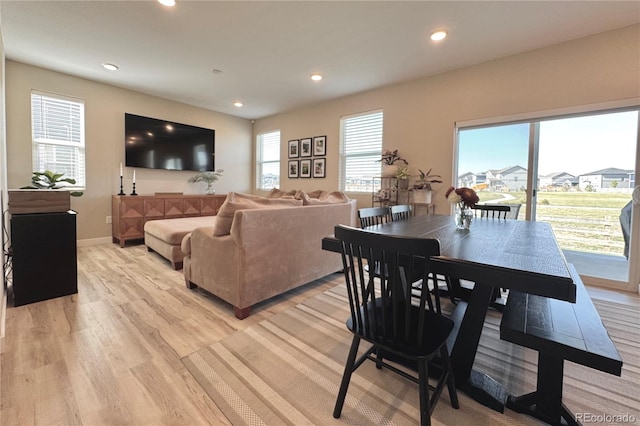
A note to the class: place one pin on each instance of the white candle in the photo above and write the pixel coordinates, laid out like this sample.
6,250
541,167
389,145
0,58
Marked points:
120,169
134,176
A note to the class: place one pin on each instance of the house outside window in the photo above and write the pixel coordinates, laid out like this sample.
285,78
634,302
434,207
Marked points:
268,160
360,151
57,129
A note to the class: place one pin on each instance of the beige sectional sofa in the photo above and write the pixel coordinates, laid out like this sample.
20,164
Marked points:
252,254
165,236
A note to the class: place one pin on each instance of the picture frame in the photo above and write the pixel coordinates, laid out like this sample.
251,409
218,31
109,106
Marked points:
294,148
319,167
305,147
305,167
293,168
319,146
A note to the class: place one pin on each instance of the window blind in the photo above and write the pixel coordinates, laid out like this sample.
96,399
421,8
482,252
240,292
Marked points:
361,147
57,126
268,165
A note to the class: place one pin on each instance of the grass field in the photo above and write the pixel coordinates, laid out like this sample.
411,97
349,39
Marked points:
583,221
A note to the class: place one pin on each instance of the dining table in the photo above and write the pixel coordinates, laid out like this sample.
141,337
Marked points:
504,253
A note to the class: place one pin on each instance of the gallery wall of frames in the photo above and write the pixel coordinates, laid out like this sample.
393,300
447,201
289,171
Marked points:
307,157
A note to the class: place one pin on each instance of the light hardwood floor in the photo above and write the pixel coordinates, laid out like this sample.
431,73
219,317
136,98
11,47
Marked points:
112,353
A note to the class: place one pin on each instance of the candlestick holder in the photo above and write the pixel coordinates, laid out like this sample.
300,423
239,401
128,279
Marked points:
134,189
121,188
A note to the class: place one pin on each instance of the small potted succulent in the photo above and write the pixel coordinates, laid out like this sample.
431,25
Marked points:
422,187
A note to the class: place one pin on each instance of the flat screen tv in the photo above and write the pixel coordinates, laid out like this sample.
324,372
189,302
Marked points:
160,144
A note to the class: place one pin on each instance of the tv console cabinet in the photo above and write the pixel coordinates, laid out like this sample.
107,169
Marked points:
131,212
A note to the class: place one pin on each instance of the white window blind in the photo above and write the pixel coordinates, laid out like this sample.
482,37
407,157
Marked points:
268,164
360,150
57,128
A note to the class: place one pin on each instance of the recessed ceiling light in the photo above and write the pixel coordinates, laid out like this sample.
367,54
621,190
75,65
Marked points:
110,67
238,104
169,3
316,77
438,35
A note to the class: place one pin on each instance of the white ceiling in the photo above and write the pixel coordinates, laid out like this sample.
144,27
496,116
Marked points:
266,50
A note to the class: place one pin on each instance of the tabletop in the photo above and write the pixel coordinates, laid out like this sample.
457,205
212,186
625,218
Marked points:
520,255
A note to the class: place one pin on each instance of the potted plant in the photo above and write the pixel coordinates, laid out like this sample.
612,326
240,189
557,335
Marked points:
422,187
209,178
402,174
389,158
55,200
51,180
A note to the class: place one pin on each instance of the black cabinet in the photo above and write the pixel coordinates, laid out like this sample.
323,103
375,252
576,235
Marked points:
44,256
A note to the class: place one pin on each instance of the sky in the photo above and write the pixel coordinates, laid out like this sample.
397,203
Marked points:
574,145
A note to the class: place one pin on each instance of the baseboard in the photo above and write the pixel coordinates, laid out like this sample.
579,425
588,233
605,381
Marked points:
94,241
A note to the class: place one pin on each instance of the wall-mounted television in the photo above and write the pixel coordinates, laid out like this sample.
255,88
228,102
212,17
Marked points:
160,144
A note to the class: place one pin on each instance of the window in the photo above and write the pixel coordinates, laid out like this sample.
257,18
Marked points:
360,150
57,129
268,163
572,168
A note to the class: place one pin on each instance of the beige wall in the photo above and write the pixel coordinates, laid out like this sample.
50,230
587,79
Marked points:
3,188
104,132
419,116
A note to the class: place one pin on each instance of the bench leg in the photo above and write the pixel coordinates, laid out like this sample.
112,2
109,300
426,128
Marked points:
546,402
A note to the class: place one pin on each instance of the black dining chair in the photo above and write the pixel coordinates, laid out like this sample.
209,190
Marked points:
401,212
404,212
384,313
494,211
374,216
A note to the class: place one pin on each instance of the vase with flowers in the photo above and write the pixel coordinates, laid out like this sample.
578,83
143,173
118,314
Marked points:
463,200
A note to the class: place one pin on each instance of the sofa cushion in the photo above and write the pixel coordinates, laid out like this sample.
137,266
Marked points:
237,201
335,197
276,193
172,231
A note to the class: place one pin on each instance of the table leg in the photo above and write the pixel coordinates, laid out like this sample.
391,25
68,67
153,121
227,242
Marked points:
463,343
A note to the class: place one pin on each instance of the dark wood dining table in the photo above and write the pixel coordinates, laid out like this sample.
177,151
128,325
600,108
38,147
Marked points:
517,255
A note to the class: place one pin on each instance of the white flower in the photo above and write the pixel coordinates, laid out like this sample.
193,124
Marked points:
454,198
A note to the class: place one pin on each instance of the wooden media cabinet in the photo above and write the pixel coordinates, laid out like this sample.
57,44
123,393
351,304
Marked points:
131,212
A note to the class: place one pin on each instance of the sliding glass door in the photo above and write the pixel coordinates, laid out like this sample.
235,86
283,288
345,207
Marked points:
581,169
586,171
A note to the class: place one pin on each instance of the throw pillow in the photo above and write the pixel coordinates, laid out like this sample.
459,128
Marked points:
317,194
237,201
276,193
335,197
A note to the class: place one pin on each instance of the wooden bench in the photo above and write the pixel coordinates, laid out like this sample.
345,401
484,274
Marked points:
559,331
